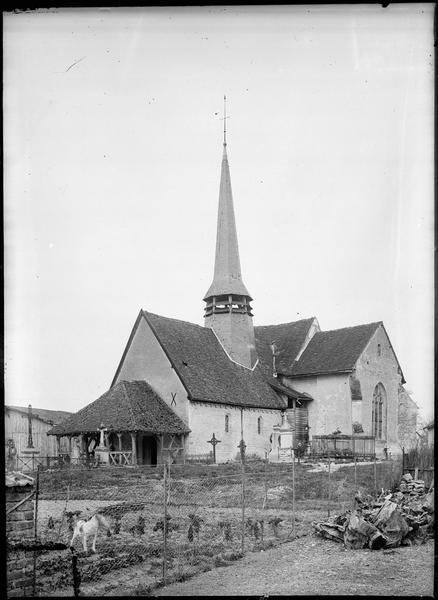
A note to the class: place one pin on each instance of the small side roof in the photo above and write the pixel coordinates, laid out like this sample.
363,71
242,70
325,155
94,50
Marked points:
128,406
336,351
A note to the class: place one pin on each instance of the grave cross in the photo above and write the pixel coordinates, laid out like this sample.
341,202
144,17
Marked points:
213,442
102,429
29,436
242,448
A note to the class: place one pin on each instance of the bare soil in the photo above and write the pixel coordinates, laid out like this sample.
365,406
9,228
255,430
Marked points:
314,566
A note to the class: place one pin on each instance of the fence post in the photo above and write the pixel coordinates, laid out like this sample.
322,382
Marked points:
329,488
375,475
293,493
265,499
165,524
243,502
35,531
355,472
75,573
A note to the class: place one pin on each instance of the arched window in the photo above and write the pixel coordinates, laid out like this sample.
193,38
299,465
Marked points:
378,421
227,423
379,350
259,425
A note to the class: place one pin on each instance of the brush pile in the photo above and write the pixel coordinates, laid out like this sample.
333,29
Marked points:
403,517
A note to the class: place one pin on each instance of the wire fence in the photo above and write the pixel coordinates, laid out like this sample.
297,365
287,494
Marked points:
166,523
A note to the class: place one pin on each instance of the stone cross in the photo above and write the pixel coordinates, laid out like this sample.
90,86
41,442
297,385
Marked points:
242,447
102,429
214,442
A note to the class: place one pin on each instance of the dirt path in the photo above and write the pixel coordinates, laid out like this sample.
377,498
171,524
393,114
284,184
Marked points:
312,566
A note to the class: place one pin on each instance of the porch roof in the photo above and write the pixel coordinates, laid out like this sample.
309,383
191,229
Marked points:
128,406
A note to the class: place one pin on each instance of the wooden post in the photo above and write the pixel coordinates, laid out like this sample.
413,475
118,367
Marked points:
294,443
375,475
355,472
35,530
165,523
134,447
329,489
242,462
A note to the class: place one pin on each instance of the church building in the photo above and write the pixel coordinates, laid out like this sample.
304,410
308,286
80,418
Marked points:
192,388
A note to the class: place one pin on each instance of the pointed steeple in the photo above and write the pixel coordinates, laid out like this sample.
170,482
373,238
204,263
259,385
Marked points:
228,309
227,277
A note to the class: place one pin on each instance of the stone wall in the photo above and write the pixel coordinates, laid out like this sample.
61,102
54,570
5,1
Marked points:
330,408
206,419
19,526
407,420
378,364
145,359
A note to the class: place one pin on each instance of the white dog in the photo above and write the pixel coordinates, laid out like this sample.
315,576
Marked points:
91,527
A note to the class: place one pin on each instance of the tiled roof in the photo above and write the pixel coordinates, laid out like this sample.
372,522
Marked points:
15,479
128,406
204,368
288,391
288,337
43,414
334,351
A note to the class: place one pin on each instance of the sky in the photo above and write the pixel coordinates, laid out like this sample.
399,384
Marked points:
112,154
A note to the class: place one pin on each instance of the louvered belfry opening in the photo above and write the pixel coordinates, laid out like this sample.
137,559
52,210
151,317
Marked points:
230,303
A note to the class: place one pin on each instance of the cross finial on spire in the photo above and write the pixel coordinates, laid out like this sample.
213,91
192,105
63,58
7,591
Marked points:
224,119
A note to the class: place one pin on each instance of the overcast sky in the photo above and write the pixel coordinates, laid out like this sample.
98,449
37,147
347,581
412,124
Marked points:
112,162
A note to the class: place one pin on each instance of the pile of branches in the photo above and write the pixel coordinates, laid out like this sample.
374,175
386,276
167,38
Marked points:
403,517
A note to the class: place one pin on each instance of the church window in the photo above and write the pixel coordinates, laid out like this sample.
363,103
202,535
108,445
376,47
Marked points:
259,425
379,350
378,421
227,423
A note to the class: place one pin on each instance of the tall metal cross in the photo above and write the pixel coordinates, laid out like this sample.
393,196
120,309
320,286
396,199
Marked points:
224,119
214,442
29,435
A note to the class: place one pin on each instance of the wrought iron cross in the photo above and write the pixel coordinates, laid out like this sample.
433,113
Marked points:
224,119
29,436
213,442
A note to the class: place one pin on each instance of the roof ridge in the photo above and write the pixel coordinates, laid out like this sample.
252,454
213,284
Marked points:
376,323
175,320
283,324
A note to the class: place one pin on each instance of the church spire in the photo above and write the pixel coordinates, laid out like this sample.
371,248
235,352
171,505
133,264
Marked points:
227,277
228,310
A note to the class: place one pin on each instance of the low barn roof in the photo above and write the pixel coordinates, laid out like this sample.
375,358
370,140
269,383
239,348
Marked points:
335,351
128,406
43,414
205,369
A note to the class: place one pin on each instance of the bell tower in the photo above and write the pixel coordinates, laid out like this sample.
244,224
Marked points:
228,311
